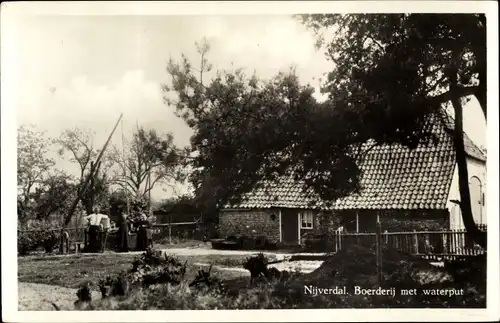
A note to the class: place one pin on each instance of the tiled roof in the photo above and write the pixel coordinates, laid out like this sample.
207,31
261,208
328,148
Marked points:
393,177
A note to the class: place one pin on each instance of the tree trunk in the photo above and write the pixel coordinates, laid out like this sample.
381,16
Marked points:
482,91
463,176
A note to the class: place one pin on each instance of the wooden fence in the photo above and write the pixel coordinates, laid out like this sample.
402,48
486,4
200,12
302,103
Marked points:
432,245
74,239
70,239
180,230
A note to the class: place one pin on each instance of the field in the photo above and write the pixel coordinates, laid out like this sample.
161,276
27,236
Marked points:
229,285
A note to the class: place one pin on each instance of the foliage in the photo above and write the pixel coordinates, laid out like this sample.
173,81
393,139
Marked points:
122,200
78,143
55,195
149,158
84,294
392,72
114,286
247,131
410,53
167,203
35,234
280,290
150,258
256,265
351,267
203,279
33,166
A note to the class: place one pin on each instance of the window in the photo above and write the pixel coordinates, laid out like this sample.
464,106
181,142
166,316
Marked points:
306,220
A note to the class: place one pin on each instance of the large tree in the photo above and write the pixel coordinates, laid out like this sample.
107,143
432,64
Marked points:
146,160
247,131
391,72
33,165
54,195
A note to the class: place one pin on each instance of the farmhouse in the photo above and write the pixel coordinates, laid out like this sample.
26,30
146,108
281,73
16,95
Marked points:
405,189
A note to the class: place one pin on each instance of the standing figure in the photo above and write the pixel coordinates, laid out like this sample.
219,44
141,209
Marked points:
97,225
143,232
123,231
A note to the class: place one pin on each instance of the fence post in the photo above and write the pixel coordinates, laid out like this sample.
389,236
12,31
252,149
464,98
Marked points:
445,242
61,243
386,237
415,241
66,236
378,247
170,229
335,241
427,243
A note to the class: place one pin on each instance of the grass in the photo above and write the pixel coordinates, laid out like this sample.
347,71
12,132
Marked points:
350,267
180,243
70,271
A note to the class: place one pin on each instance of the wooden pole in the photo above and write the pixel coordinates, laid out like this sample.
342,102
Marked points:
149,193
170,229
92,187
91,174
378,247
61,245
415,241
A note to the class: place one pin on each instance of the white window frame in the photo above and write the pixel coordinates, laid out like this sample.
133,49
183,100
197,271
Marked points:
308,216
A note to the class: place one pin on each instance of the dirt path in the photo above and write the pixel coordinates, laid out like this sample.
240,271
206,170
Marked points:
39,297
209,251
301,266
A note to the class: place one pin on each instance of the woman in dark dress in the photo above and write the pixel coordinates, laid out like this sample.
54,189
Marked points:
123,231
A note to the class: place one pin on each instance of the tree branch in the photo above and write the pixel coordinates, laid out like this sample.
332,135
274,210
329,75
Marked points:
447,96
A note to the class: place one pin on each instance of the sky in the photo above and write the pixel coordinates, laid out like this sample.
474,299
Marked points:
84,71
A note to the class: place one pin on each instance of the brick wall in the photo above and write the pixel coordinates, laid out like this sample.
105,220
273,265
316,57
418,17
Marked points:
251,223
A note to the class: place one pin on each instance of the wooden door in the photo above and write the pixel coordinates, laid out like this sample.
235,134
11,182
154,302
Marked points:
289,226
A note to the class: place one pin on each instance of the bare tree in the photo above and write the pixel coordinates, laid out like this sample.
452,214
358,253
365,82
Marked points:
146,160
78,143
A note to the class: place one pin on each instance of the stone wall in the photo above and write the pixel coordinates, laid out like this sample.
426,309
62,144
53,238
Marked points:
251,223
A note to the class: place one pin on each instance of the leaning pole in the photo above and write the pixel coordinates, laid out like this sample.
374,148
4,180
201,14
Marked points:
72,209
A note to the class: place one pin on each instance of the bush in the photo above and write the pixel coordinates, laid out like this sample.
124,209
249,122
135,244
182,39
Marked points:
36,234
150,268
84,293
256,265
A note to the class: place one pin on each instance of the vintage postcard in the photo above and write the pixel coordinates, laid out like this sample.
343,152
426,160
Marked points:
249,161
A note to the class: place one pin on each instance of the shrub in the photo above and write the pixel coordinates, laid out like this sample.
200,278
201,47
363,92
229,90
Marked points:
150,268
84,293
36,234
204,280
149,258
256,265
